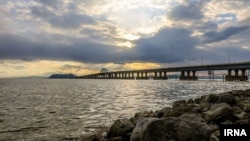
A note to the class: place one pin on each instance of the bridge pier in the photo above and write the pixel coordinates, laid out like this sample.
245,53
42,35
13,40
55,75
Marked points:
188,76
236,77
160,75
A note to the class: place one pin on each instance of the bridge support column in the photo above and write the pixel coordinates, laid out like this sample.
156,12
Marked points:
194,76
165,75
236,77
188,77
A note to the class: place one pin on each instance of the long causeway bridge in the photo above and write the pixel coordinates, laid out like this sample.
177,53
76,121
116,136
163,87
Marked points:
236,72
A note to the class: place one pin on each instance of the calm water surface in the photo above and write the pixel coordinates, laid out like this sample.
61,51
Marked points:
50,109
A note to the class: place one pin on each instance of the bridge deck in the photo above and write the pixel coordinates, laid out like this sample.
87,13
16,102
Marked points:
232,66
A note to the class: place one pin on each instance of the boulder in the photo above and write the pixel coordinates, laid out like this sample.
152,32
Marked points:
219,113
235,92
141,115
192,117
212,98
175,129
179,103
247,107
121,127
245,93
165,112
140,127
227,98
179,110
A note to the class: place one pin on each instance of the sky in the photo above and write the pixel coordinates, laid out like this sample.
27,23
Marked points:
43,37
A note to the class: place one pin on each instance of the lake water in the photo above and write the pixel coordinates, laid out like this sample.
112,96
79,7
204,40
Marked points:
50,109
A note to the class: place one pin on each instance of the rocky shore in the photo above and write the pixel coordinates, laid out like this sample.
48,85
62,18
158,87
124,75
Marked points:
187,120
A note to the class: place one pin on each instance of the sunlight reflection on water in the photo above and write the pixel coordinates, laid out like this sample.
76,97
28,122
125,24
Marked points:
49,109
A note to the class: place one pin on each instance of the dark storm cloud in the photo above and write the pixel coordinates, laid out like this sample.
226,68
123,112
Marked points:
215,36
169,45
14,47
192,10
225,54
67,20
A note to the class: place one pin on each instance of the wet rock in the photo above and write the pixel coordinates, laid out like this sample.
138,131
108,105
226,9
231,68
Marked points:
196,120
219,113
212,98
179,103
190,101
140,127
235,92
181,109
197,100
246,93
227,98
121,127
192,117
141,115
215,136
165,112
243,121
247,107
176,129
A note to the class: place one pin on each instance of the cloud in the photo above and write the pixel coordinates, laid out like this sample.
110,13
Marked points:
215,36
55,4
94,31
71,20
163,47
188,11
42,12
168,45
15,47
68,20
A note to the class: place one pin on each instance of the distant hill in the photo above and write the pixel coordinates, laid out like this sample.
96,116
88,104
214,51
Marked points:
63,76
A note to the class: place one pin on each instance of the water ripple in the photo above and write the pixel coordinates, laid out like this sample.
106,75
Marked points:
49,109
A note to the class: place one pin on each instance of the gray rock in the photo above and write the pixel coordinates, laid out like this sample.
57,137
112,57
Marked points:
179,103
181,109
219,113
247,107
192,117
245,93
165,112
140,127
215,136
212,98
121,127
141,115
227,98
235,92
190,101
176,129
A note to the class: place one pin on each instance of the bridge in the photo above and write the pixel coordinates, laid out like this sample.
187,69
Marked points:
236,72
